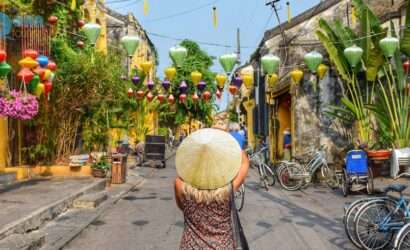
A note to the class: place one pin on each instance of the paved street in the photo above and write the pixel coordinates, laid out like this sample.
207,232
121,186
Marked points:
148,218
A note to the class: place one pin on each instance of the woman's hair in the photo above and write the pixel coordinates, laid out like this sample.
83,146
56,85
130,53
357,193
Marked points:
219,195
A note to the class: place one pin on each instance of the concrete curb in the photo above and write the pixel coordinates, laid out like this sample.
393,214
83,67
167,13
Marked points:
39,217
67,238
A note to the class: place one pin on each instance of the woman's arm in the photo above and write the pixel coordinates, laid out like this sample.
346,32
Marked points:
178,193
243,172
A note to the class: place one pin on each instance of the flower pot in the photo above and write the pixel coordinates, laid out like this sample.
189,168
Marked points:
98,173
381,154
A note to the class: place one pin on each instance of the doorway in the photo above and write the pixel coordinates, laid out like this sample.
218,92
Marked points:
283,117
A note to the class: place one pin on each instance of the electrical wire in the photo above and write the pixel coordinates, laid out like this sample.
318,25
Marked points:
119,1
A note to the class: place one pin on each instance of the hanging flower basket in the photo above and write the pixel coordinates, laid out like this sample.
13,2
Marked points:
18,105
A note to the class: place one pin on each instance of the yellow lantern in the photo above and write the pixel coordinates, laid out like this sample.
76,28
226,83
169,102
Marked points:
296,75
28,62
322,70
220,80
247,80
146,67
170,72
272,79
39,89
196,76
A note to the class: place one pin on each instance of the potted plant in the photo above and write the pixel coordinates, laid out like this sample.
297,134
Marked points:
100,168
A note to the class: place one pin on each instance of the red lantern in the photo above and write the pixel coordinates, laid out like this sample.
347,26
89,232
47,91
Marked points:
206,95
160,98
406,65
52,66
218,94
171,99
130,92
150,97
3,55
48,87
80,44
140,94
52,20
81,23
30,53
233,89
25,75
195,97
182,98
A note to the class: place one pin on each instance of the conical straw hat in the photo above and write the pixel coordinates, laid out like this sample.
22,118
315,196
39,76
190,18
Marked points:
208,159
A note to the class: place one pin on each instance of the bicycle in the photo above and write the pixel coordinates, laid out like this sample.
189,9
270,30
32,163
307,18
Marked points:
239,198
266,175
377,222
294,175
402,240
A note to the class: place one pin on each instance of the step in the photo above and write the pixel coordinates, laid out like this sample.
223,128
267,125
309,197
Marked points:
90,201
31,241
7,178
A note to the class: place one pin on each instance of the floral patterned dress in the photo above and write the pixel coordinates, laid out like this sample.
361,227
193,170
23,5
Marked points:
207,226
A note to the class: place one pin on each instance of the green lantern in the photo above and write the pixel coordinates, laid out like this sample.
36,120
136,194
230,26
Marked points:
353,55
313,60
130,44
178,55
92,31
389,45
270,64
228,61
33,83
5,69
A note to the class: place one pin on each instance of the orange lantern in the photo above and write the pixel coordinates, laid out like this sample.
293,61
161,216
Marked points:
28,62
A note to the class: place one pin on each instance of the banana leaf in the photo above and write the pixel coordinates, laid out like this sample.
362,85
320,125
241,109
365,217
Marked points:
405,40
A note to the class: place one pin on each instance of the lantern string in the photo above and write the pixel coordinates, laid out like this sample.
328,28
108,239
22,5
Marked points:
215,17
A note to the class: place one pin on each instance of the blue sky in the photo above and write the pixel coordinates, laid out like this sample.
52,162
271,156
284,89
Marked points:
251,16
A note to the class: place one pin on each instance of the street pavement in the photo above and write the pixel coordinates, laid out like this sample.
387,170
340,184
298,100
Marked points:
147,218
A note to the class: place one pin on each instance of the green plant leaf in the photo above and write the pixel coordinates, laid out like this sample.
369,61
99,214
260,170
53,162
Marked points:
405,40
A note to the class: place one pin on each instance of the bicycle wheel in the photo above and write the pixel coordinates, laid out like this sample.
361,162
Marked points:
329,175
288,183
240,198
368,221
269,175
402,241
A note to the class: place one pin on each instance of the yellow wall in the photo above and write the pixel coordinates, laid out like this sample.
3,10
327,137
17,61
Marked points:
249,106
23,172
3,143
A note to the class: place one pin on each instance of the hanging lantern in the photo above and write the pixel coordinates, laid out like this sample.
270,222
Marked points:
33,84
161,98
135,80
52,20
406,65
150,97
150,85
166,84
30,53
52,65
183,87
5,69
353,55
270,64
195,97
182,98
272,80
81,23
130,44
178,55
92,31
42,61
39,89
80,44
220,80
201,85
207,95
196,76
322,70
25,75
313,60
389,45
228,61
218,94
248,80
3,55
296,75
48,87
237,81
130,92
140,94
28,62
146,67
171,99
170,72
233,89
45,74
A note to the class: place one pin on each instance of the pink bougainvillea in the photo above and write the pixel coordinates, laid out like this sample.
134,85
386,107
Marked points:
19,105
